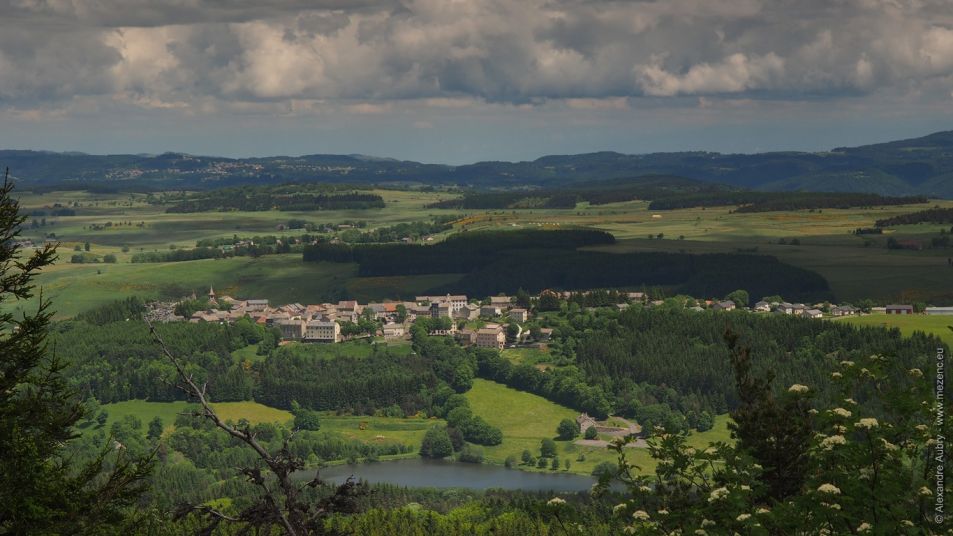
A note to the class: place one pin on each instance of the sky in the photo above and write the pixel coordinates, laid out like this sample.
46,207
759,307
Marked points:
457,81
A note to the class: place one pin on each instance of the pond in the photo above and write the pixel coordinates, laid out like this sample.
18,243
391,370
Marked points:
423,473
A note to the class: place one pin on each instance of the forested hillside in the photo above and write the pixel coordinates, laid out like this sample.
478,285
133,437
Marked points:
919,166
671,366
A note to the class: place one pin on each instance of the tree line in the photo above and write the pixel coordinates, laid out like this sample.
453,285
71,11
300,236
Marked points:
933,215
285,198
751,201
670,365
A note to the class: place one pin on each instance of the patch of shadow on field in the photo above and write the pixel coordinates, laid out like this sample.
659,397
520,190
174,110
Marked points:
638,443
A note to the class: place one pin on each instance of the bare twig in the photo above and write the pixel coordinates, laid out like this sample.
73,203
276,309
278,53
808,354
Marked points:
281,465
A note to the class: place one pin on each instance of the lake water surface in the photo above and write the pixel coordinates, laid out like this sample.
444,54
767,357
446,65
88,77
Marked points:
423,473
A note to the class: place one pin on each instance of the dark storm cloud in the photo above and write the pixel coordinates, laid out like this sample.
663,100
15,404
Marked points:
200,54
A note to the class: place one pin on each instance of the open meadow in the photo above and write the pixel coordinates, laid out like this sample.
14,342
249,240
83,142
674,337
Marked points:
939,325
145,411
526,419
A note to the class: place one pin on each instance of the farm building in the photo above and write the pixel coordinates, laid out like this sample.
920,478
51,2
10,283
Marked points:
899,310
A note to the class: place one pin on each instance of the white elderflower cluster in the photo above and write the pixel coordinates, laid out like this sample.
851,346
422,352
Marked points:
833,441
868,423
798,388
718,494
829,489
641,515
841,412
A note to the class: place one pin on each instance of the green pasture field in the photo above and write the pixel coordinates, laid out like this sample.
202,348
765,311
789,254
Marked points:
376,429
526,419
168,411
409,431
253,412
939,325
74,288
529,356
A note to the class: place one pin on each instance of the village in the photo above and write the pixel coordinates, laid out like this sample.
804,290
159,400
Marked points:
482,323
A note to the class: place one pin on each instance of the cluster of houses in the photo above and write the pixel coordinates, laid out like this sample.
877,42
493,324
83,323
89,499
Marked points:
800,309
820,309
322,322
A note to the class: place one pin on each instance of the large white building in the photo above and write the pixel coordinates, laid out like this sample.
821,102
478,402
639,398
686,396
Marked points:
455,301
322,331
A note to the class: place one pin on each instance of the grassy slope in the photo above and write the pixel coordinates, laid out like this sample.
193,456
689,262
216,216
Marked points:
282,278
931,324
526,419
167,411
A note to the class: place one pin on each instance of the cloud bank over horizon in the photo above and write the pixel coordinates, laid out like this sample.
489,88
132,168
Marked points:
340,72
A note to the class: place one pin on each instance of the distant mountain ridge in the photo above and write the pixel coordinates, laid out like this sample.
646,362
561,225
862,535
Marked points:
917,166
